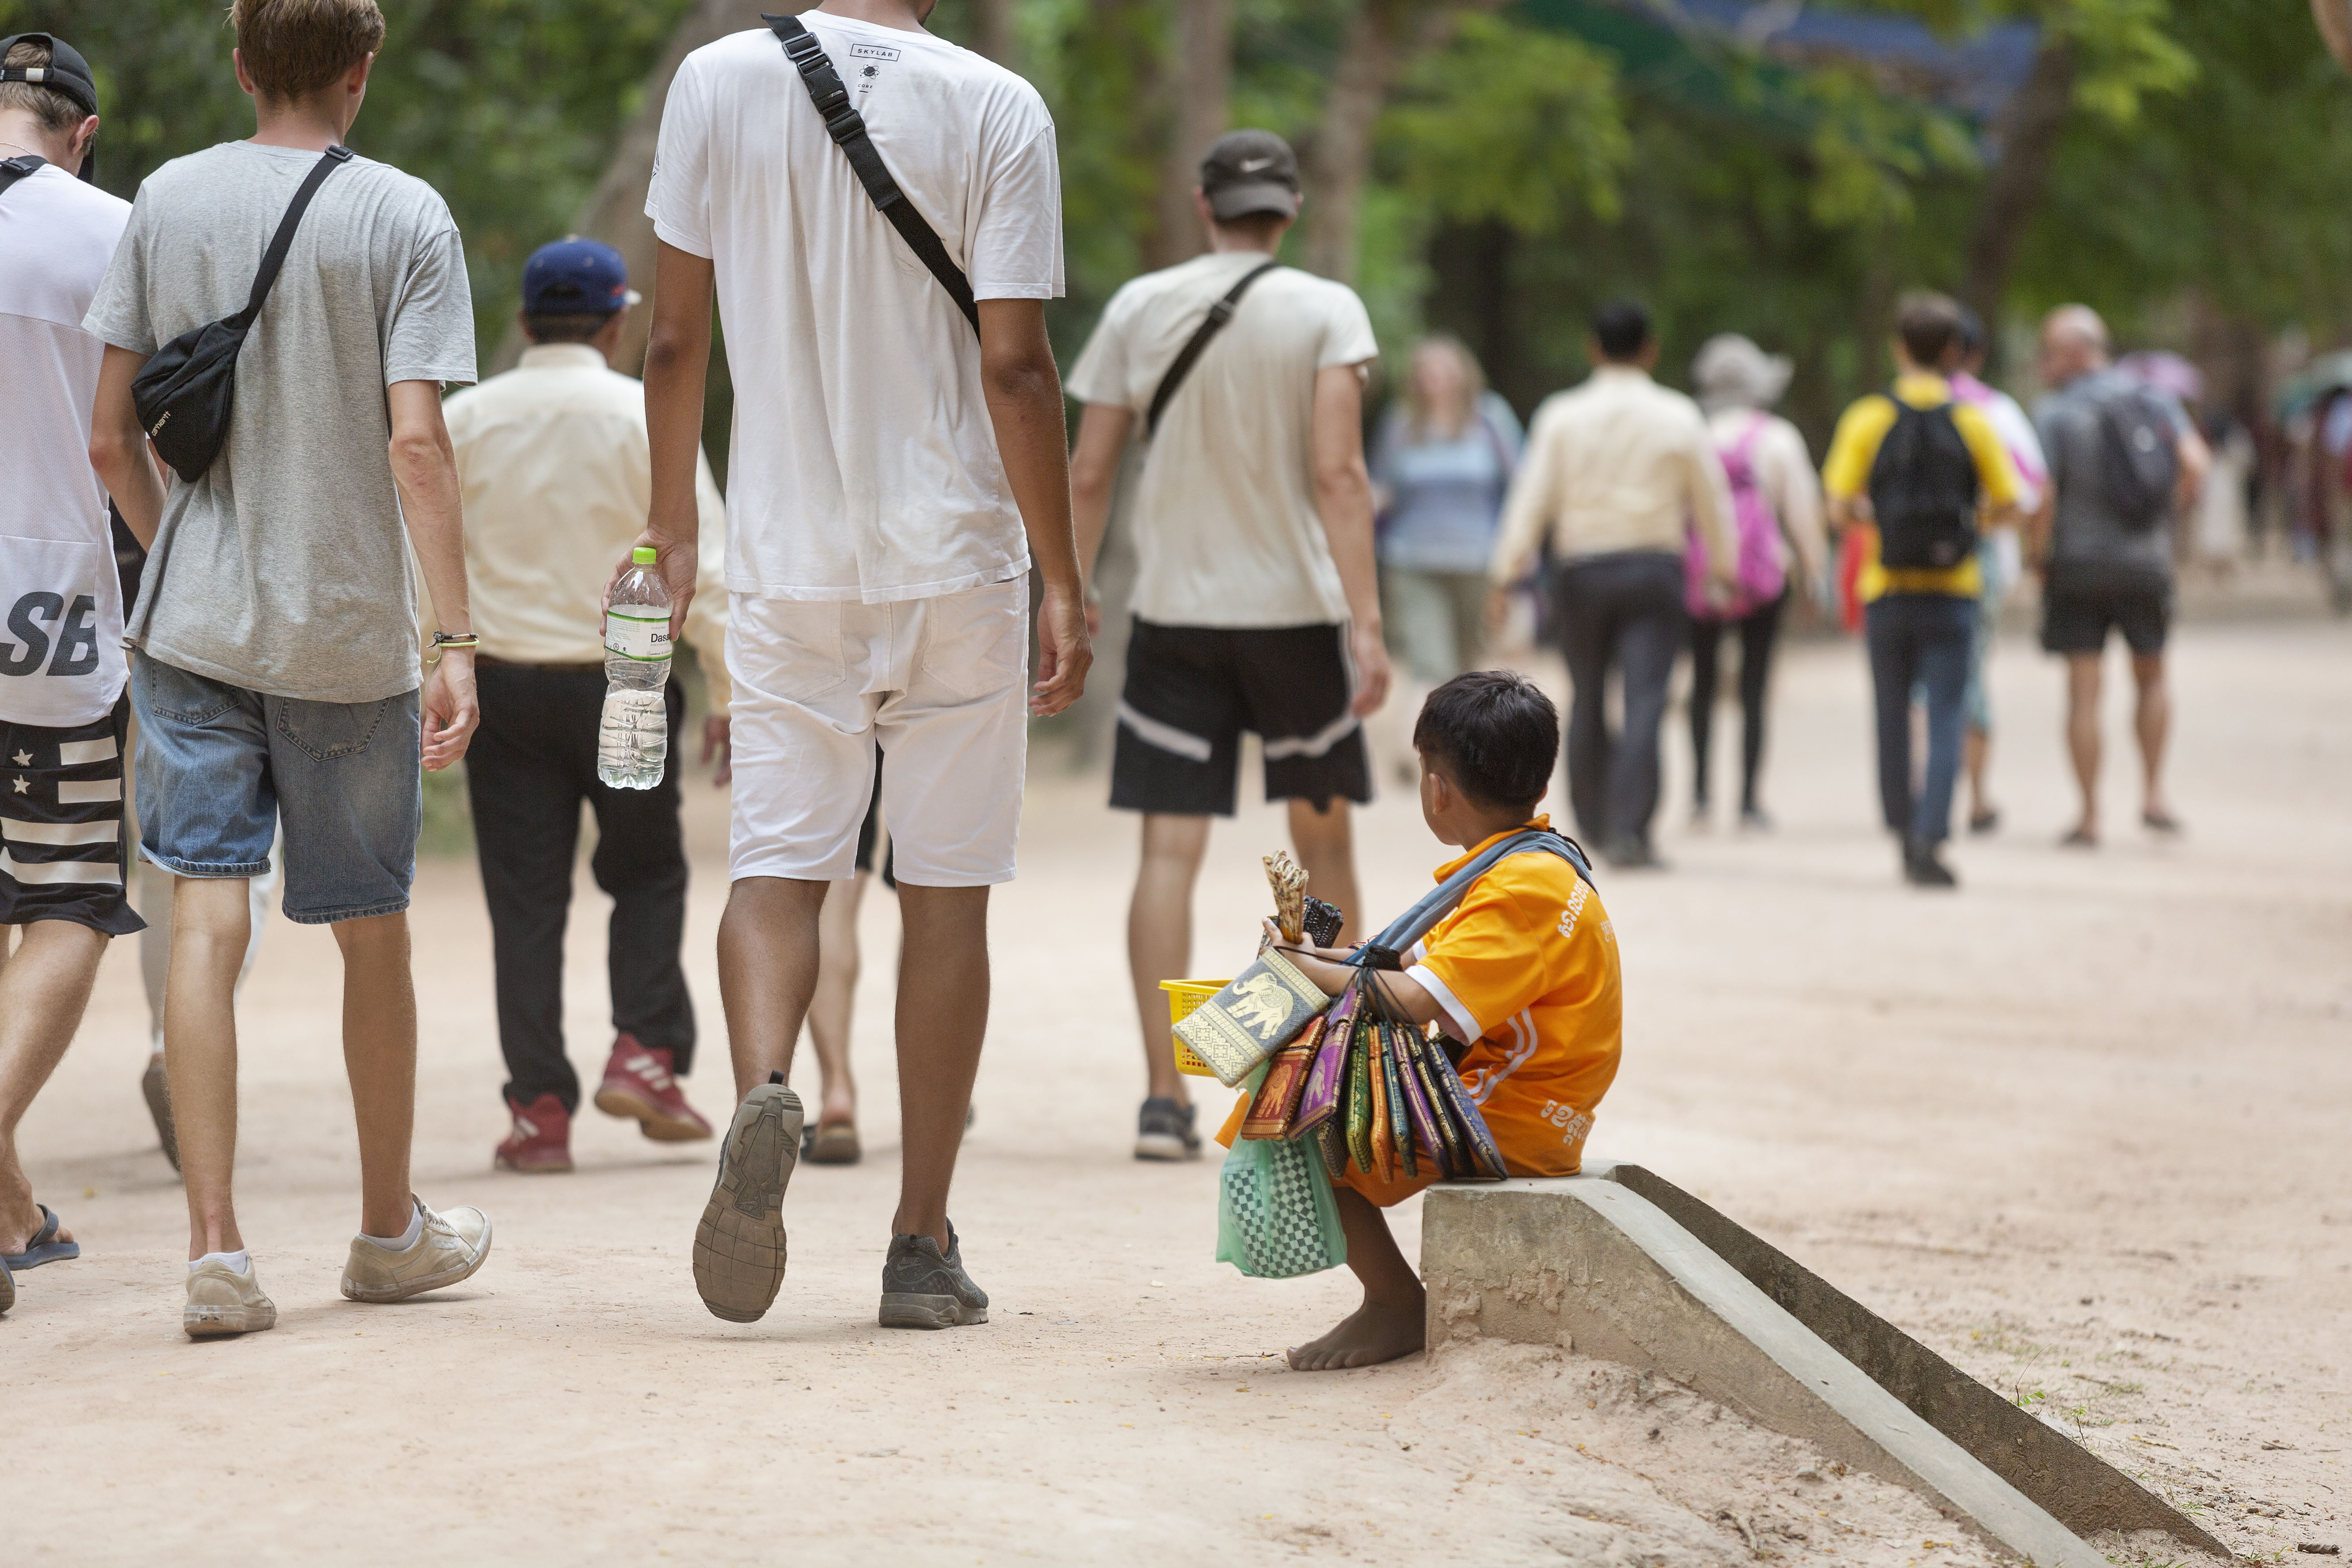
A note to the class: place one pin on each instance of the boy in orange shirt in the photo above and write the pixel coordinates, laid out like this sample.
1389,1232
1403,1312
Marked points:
1524,969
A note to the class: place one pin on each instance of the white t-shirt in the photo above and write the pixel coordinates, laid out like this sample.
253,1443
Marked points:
1226,531
863,465
61,659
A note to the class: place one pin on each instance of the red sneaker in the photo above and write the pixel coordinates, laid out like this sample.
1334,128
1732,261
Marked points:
639,1084
540,1143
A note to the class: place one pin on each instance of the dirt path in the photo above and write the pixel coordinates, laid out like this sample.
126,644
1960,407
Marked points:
2081,1127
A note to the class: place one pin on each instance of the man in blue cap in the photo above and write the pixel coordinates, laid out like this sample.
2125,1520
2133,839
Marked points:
554,466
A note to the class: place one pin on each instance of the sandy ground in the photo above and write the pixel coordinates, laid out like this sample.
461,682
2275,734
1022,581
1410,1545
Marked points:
2081,1127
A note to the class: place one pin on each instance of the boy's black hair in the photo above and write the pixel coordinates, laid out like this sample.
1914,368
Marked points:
1496,734
567,329
1622,328
1929,325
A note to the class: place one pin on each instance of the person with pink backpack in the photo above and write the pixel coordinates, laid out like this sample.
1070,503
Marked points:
1776,505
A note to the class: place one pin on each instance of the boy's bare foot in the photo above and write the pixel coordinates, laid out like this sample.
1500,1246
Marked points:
1371,1334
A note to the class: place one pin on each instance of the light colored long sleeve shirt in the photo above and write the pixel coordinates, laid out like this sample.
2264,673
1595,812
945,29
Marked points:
1784,474
1617,464
556,474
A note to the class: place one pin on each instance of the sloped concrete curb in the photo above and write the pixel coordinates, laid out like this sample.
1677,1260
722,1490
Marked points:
2077,1488
1589,1264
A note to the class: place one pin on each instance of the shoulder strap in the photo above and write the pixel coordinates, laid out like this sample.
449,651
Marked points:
14,168
1219,314
847,129
273,259
1384,951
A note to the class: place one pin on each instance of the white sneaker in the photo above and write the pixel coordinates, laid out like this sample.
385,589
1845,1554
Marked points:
223,1301
448,1249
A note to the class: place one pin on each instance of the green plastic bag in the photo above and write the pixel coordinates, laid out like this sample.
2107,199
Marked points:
1277,1218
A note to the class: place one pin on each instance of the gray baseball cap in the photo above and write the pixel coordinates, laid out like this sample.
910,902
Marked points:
1250,171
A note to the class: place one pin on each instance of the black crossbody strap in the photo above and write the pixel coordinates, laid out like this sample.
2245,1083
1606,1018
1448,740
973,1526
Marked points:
1219,314
847,129
14,168
273,259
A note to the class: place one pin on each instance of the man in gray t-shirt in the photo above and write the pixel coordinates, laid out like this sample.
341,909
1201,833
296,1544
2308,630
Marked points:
275,662
2100,571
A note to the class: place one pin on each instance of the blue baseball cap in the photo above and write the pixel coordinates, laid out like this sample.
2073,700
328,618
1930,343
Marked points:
575,277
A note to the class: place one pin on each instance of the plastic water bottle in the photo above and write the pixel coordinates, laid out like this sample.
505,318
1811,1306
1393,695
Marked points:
632,742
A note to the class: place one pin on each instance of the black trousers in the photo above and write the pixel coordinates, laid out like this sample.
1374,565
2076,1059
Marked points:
532,763
1621,612
1759,630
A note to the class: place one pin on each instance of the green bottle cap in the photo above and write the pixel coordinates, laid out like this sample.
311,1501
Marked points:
643,554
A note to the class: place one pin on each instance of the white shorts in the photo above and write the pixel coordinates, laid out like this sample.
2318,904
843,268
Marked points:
940,685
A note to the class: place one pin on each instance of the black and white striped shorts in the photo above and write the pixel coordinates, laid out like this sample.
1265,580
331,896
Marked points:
63,850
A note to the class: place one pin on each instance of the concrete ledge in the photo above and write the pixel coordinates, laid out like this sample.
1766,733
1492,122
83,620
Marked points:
1589,1264
2077,1486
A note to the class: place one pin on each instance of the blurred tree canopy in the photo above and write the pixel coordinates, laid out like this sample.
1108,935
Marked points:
2183,165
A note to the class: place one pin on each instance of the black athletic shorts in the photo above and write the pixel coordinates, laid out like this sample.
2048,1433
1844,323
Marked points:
2077,620
63,849
1191,691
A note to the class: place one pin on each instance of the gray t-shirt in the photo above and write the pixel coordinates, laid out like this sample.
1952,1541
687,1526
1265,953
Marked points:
2090,548
285,569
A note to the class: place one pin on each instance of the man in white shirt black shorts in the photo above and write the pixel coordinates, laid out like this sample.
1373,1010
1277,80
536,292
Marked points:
898,464
1256,605
63,717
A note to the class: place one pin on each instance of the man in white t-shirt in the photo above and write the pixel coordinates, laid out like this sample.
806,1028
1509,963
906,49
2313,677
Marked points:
1255,601
62,714
893,473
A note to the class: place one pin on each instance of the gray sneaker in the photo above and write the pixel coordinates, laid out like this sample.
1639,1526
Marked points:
739,1248
921,1290
1164,1130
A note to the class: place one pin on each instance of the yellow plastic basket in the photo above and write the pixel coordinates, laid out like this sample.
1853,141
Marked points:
1183,995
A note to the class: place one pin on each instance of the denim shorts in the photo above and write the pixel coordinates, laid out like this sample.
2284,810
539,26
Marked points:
218,767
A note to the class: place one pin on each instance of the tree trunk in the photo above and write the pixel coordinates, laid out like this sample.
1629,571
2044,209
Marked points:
1203,108
615,214
2029,138
992,33
1384,37
2334,19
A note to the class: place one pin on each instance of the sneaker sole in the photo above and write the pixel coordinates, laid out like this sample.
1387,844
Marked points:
739,1247
157,1087
658,1124
225,1322
378,1295
1163,1146
902,1310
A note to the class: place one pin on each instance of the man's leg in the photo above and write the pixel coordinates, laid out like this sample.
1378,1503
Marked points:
1887,634
1585,634
2083,739
1649,639
833,1005
767,972
1943,670
1326,843
943,1019
1706,648
211,922
44,987
1391,1322
2152,720
1160,937
379,1057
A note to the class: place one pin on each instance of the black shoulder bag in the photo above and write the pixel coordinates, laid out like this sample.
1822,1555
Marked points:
14,168
847,129
183,394
1219,314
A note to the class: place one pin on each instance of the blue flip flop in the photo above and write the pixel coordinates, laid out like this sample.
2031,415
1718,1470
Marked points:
45,1247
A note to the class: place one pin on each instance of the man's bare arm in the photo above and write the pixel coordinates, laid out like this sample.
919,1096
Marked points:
117,448
1343,499
1103,431
424,468
1025,403
677,362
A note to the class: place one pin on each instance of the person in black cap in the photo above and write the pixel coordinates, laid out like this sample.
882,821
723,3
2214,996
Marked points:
1255,602
63,717
556,473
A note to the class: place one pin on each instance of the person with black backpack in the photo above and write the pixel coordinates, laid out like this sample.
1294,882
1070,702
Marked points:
2125,460
1923,473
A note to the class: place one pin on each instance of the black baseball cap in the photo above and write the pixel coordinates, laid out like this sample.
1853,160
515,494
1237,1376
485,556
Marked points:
66,72
1250,171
